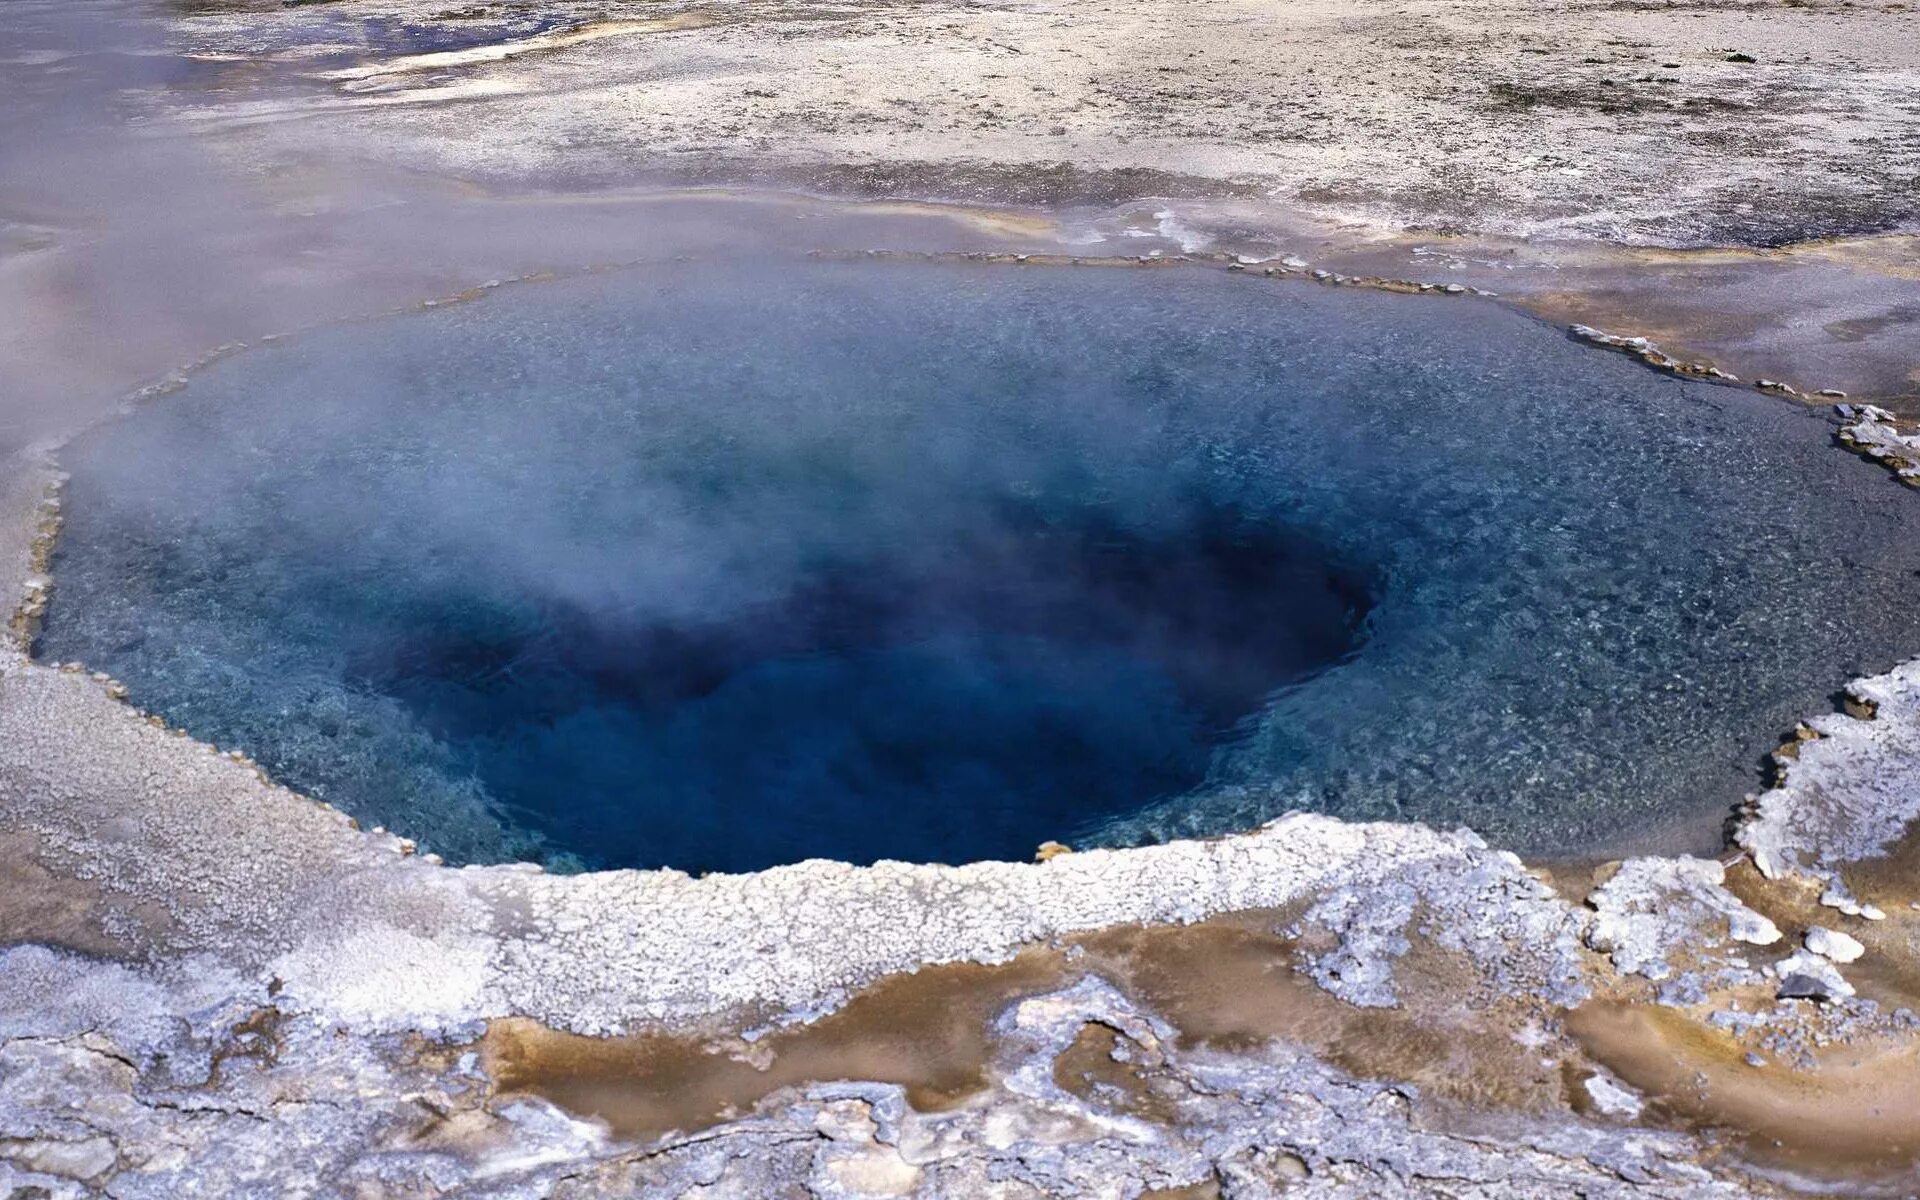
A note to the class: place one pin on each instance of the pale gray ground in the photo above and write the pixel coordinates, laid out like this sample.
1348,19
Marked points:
289,984
216,987
1614,119
243,167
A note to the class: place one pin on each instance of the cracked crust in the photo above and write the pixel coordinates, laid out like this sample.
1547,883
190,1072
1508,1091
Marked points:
251,994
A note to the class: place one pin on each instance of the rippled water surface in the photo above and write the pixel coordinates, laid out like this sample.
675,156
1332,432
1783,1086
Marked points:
721,567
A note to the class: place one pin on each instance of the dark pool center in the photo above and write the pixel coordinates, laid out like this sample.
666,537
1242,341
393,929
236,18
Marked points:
719,567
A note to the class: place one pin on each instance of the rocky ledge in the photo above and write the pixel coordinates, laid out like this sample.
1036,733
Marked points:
231,986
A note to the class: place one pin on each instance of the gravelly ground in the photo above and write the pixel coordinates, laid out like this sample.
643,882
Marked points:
251,167
1618,119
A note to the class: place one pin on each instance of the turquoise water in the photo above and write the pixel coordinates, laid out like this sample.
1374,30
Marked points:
718,567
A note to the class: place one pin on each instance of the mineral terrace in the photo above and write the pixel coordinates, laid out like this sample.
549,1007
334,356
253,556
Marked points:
212,986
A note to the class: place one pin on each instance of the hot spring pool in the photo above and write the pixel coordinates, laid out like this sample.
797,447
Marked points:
718,567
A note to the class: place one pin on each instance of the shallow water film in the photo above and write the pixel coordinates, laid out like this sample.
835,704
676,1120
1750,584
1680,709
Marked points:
720,567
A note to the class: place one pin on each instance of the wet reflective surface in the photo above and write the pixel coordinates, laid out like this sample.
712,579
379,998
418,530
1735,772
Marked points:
718,567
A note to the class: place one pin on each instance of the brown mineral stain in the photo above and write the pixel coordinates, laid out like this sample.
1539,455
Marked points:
1856,1116
256,1038
1891,880
928,1031
1105,1067
37,905
1889,973
1232,983
1206,1189
1574,879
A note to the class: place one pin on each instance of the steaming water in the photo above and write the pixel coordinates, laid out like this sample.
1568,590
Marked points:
720,568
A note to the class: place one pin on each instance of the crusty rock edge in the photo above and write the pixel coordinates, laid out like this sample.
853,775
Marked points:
243,894
350,922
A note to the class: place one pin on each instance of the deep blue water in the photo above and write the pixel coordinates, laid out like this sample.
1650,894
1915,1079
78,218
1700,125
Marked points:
719,567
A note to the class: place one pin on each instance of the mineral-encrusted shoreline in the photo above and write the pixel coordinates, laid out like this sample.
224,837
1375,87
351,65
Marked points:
212,986
234,984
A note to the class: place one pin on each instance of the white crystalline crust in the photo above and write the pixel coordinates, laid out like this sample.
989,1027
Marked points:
1852,788
247,899
24,483
349,926
1293,100
1612,1098
1851,792
1808,964
1653,908
85,1105
1875,433
1833,945
241,894
197,853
